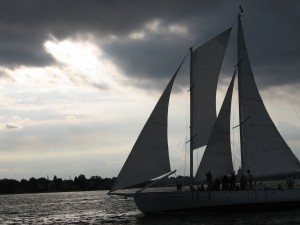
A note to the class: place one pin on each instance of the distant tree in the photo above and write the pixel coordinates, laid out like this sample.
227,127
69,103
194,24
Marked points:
107,183
25,185
42,184
33,185
95,182
95,178
82,182
58,184
8,186
76,182
68,185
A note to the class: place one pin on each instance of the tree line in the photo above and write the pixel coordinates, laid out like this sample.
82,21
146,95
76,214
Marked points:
80,183
40,185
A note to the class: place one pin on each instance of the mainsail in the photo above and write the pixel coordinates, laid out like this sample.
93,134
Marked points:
149,157
217,156
263,150
206,62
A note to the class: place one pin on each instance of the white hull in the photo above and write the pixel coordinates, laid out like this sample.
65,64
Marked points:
209,200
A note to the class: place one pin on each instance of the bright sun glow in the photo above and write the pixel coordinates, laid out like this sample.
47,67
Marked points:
82,55
84,60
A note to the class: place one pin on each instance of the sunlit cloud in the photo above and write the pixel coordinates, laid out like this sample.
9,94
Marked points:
82,55
177,29
153,25
82,61
137,35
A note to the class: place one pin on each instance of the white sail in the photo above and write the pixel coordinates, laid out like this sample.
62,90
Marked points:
149,157
217,156
263,150
206,63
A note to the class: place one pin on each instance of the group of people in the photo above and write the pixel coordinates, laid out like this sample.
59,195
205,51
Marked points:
226,182
246,182
231,183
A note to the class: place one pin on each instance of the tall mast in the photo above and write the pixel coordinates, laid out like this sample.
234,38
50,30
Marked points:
239,59
191,118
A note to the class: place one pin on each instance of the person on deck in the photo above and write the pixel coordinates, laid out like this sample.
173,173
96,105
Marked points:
217,184
243,183
179,187
209,180
250,180
290,181
225,183
232,181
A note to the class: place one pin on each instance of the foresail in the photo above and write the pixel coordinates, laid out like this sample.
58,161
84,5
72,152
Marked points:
217,156
149,157
206,63
263,150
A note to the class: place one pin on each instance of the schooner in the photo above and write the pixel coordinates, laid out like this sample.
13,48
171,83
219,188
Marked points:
263,150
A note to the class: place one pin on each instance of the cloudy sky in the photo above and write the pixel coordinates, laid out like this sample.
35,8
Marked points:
79,78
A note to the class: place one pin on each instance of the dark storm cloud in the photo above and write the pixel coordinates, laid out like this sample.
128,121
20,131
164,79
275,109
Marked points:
25,25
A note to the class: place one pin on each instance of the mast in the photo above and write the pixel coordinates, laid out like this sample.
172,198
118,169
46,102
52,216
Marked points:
191,118
239,59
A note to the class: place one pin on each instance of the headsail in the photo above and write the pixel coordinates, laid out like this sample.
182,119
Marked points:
263,150
149,157
206,63
217,156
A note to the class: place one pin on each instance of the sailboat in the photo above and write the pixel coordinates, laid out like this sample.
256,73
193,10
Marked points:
263,150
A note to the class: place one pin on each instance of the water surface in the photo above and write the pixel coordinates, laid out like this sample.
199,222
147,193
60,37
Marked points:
98,208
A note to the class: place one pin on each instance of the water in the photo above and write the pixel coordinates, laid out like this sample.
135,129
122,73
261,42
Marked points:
98,208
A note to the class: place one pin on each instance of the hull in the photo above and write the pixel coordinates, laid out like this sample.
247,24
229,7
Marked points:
214,200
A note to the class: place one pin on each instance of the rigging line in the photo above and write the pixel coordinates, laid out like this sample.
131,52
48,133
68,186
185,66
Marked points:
274,74
198,158
184,163
191,138
239,62
242,122
183,60
186,127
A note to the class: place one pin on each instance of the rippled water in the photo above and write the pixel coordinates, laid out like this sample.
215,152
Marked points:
99,208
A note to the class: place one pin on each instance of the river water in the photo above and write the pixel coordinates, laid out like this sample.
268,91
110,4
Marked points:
98,208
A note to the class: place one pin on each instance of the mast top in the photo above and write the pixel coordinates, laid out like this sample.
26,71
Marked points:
241,10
